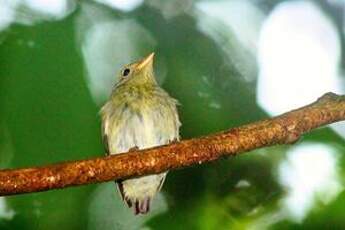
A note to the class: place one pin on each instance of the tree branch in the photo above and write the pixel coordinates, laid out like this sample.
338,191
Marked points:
284,129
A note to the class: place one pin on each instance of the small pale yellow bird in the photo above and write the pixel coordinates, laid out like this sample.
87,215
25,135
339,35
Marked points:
139,114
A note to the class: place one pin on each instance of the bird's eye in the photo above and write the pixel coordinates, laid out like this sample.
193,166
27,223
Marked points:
126,72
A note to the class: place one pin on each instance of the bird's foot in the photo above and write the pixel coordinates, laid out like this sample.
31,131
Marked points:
175,140
135,148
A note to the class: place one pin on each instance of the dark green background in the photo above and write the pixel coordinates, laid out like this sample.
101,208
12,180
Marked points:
48,114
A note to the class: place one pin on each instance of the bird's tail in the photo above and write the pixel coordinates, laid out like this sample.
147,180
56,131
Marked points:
140,206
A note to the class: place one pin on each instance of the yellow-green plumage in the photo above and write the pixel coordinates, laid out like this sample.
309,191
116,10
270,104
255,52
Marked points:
139,114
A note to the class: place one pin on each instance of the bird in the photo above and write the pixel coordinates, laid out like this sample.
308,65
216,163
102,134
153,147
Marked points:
139,114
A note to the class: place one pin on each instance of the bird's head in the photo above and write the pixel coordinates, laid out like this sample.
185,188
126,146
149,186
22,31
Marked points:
138,73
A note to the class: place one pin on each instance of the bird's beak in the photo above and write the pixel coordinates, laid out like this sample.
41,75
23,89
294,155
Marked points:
145,62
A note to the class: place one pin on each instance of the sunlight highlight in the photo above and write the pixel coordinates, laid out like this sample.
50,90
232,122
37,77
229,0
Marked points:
310,173
231,13
5,212
54,8
223,22
7,14
299,56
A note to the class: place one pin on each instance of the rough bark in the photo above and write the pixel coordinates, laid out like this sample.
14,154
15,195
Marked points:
284,129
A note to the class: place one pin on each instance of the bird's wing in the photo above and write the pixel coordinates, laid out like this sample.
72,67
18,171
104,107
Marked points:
105,139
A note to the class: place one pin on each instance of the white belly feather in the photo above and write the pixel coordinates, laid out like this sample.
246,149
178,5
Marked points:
140,130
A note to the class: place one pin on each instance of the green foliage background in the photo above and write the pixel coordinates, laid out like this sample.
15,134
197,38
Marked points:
48,114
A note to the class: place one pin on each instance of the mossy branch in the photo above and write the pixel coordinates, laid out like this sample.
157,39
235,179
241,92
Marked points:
284,129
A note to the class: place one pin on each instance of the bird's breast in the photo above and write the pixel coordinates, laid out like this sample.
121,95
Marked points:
140,126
